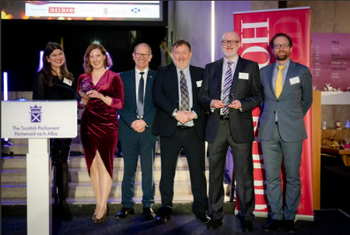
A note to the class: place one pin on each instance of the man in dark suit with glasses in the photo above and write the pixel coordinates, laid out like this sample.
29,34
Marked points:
231,89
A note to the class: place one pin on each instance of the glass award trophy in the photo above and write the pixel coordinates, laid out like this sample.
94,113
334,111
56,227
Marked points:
86,85
231,98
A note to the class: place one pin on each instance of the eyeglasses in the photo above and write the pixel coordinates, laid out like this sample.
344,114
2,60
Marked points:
139,55
233,42
279,46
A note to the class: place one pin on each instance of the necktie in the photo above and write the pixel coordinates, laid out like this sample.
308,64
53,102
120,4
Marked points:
227,87
140,97
185,102
279,81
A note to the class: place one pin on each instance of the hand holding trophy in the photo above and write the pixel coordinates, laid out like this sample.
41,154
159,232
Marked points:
85,85
231,98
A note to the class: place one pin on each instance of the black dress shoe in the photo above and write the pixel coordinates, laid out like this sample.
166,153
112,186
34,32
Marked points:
273,225
214,224
203,218
162,219
124,212
246,226
290,226
148,213
66,214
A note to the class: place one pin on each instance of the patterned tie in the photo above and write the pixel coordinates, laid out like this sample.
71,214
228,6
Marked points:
227,87
185,102
279,81
140,97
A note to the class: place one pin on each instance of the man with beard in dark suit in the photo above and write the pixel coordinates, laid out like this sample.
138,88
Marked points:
231,89
180,123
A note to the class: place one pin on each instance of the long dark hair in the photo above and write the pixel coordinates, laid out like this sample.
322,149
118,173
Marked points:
47,70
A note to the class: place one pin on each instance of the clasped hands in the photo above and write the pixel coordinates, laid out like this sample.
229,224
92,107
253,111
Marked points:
185,116
139,125
218,104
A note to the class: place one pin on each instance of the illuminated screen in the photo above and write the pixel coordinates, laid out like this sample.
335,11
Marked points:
83,10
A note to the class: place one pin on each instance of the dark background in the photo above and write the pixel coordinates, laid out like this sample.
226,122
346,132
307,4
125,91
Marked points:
22,41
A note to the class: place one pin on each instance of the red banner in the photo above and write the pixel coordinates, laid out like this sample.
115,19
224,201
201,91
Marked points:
256,29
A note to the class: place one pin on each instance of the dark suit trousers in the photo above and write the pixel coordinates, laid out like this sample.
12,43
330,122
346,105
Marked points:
243,173
140,144
194,148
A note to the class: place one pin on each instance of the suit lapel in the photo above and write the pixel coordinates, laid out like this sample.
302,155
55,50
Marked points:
193,82
239,67
148,92
270,77
173,83
132,87
290,74
216,84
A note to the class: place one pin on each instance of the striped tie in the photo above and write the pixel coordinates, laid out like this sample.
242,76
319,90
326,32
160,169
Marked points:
227,87
185,101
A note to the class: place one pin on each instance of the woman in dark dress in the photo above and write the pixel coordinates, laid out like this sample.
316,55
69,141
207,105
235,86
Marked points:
101,92
55,82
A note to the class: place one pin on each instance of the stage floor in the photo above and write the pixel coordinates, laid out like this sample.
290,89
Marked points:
326,222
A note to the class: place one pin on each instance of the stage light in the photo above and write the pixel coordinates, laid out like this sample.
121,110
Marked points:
212,31
22,99
5,98
5,86
109,57
41,60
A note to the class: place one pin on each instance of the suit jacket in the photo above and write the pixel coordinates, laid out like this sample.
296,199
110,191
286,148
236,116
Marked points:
247,89
166,98
128,113
291,106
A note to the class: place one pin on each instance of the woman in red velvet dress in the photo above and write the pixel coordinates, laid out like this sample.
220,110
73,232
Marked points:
102,94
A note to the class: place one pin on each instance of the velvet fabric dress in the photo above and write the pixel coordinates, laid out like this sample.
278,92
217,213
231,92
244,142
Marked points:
99,122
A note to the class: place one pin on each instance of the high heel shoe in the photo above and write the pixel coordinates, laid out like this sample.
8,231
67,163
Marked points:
101,220
94,215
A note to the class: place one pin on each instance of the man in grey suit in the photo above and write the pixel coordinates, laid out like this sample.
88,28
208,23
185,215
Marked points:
287,98
135,132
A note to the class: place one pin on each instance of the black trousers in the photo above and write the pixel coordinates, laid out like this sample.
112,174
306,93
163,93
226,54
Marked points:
194,148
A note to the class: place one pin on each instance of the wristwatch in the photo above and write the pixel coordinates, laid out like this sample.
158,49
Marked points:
174,113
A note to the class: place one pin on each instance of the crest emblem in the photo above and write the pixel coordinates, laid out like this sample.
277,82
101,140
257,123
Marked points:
135,10
35,113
